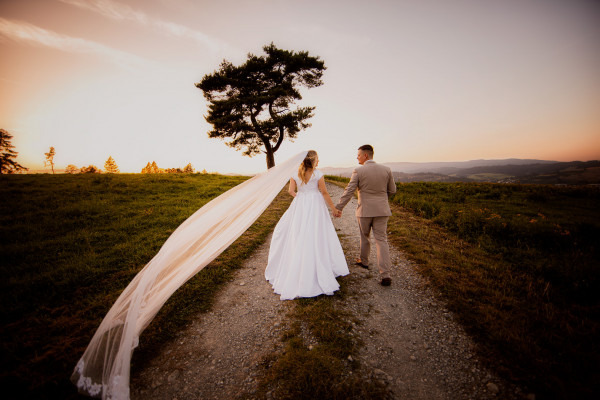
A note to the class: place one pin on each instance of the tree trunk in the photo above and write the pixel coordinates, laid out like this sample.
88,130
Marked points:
270,158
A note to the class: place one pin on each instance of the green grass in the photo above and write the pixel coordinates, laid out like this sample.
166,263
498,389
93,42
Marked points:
71,243
520,265
550,232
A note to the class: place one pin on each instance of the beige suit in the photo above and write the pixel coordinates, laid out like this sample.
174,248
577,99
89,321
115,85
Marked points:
375,184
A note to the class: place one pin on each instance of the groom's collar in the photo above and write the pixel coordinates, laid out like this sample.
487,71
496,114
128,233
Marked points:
370,161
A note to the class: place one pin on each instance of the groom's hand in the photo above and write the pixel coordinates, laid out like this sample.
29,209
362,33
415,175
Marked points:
337,213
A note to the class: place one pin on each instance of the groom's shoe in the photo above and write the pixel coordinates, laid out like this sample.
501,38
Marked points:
386,282
360,264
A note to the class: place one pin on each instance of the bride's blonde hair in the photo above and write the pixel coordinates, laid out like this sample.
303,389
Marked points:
309,163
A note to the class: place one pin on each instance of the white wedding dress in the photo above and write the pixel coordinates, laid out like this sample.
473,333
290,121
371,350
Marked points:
305,254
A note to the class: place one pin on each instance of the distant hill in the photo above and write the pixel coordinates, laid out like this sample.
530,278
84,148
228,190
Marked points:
505,171
41,171
444,168
427,177
440,167
449,167
574,173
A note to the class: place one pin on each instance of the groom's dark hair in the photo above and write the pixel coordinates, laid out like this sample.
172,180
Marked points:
367,148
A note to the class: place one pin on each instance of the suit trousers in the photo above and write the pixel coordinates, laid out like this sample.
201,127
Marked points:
379,227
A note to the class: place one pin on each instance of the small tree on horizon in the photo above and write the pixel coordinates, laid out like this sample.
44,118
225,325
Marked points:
50,158
110,166
151,168
71,169
251,104
90,169
7,164
188,168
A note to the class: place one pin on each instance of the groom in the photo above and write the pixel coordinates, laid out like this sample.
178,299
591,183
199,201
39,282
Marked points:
374,183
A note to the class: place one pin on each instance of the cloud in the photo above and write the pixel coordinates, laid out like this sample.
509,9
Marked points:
123,12
24,32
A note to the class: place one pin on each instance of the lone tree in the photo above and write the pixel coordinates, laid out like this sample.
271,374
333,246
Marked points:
110,166
50,158
251,104
7,164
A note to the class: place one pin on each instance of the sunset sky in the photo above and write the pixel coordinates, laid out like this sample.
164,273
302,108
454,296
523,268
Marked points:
427,80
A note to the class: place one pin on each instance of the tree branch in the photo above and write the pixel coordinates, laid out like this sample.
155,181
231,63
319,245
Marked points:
258,130
281,136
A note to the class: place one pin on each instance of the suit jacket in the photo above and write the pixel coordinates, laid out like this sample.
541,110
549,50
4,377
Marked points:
374,183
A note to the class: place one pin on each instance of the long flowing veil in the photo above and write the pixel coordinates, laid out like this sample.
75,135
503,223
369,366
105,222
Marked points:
103,370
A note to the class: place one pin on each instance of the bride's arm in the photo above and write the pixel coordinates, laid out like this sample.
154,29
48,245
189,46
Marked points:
292,188
323,190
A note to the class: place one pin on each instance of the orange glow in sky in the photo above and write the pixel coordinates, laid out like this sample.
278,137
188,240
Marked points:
430,80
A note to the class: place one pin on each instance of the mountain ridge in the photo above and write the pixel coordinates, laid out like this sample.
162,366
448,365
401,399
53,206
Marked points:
510,170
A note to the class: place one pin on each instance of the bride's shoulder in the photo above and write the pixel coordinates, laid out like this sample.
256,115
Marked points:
317,173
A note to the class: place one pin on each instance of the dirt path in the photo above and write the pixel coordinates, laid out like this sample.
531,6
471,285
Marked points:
410,340
218,356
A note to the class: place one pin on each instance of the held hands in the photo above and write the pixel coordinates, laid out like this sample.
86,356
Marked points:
337,213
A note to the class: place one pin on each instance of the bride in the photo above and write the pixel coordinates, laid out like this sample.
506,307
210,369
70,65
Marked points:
305,254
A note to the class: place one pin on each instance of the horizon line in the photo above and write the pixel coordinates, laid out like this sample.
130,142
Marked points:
44,170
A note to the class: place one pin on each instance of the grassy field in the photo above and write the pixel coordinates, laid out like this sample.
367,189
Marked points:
71,243
520,266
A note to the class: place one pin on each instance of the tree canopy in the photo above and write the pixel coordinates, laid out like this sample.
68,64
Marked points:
90,169
110,166
251,105
7,163
50,158
151,168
